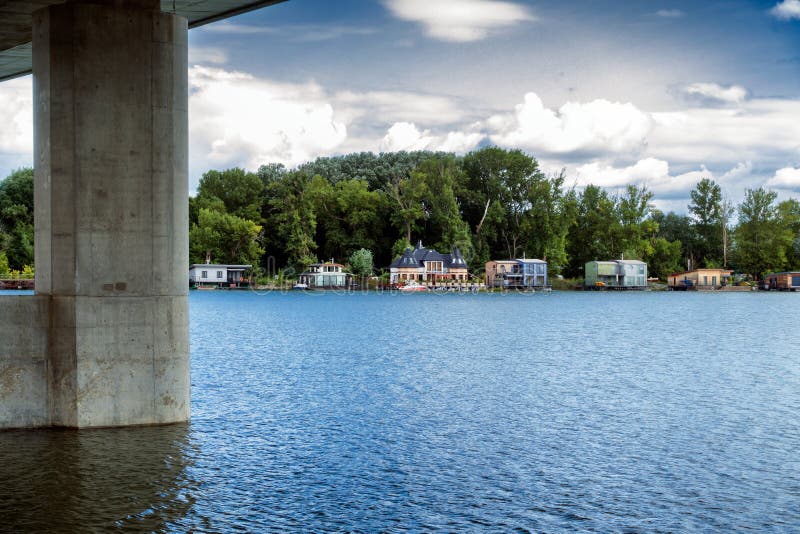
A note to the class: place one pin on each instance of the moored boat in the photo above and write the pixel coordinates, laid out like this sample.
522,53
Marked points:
412,286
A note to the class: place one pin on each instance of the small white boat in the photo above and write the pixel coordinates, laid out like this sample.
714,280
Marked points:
300,286
412,286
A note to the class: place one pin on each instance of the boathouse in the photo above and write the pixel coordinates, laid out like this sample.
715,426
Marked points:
329,275
427,265
516,274
711,278
616,274
788,281
212,274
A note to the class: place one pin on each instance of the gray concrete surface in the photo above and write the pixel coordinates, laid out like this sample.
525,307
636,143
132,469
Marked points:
111,224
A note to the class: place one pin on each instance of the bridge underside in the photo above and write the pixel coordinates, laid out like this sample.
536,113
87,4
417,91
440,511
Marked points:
16,28
104,342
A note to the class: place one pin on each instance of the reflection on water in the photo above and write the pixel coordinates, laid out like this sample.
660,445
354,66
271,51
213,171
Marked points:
68,481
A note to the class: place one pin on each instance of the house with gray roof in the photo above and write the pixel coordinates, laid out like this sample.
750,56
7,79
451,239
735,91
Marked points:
427,265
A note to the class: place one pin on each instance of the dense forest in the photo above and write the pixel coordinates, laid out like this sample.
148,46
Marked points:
492,203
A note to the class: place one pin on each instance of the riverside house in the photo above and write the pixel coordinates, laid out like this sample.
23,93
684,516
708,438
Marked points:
212,274
699,279
616,274
328,275
429,266
516,274
789,281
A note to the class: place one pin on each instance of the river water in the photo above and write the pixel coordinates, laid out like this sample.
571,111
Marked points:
387,412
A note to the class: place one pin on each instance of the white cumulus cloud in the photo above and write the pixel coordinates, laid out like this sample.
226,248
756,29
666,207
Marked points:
236,119
16,117
407,136
651,172
460,20
764,131
786,178
786,10
670,189
596,126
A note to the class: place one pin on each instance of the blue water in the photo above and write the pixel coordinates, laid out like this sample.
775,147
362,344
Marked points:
387,412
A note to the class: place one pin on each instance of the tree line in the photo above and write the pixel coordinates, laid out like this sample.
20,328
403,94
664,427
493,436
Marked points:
492,203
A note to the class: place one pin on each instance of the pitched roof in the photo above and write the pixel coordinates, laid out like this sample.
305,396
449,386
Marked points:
416,258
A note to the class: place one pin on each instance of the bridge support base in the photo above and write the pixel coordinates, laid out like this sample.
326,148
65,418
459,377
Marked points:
105,340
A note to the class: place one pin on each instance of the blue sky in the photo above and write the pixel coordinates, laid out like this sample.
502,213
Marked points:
657,93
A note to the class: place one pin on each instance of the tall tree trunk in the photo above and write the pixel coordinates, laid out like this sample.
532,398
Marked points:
485,211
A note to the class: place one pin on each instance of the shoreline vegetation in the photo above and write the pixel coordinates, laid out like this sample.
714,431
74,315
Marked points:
364,209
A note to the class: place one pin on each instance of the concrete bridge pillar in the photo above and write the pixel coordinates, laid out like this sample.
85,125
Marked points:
111,211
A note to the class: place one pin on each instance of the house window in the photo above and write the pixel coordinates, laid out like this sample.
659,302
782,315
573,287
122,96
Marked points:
203,274
795,281
219,274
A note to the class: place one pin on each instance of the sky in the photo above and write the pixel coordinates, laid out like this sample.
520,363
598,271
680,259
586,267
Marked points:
653,93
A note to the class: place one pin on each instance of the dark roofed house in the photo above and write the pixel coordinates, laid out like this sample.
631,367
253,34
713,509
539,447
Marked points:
428,265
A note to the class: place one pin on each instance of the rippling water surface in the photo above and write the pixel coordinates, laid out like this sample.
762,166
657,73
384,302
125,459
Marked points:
369,412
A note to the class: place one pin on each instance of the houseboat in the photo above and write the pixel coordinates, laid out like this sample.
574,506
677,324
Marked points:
524,274
615,274
699,279
328,275
218,276
788,281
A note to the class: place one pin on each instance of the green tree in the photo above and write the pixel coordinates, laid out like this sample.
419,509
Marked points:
789,220
595,231
634,209
761,240
290,216
407,195
664,258
349,216
442,225
361,262
706,208
678,228
224,238
4,268
550,212
16,218
495,194
378,170
271,172
240,192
